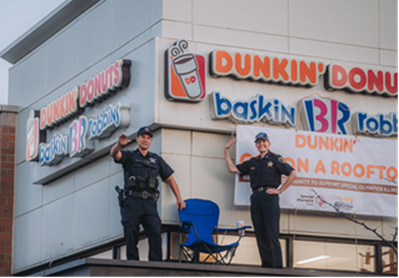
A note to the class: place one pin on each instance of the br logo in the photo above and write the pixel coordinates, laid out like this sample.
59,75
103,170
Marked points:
184,74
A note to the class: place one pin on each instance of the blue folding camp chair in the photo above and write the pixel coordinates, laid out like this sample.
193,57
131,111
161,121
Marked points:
199,220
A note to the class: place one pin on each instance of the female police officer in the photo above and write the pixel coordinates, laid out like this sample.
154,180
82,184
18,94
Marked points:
265,172
141,169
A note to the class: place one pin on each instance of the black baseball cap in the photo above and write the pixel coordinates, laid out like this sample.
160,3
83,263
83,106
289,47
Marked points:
145,130
263,136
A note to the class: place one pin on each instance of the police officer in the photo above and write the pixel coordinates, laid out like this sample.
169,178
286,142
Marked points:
141,169
265,172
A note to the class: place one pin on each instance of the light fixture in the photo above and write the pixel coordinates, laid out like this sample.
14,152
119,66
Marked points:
313,259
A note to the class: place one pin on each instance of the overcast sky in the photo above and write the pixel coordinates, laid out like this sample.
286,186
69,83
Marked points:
17,17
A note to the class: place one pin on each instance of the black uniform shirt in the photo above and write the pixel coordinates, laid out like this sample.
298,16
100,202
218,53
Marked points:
265,171
135,164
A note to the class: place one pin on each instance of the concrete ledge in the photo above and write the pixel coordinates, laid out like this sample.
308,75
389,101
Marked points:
101,267
9,108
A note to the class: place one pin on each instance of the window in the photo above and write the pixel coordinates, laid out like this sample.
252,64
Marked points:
333,256
389,261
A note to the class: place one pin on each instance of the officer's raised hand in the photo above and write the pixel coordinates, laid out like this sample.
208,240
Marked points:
116,149
123,141
230,165
231,142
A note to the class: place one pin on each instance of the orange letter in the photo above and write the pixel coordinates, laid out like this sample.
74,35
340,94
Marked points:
338,71
307,71
346,173
314,146
392,89
279,69
370,170
260,66
335,168
220,57
299,144
56,110
395,173
381,168
243,71
323,143
291,161
43,119
375,81
294,70
362,170
305,165
320,167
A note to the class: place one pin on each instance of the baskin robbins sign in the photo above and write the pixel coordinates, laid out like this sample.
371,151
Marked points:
78,141
185,81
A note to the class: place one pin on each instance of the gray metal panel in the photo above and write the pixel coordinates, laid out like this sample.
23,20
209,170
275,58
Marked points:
42,31
27,81
91,214
86,41
26,196
115,225
57,237
59,188
27,238
93,172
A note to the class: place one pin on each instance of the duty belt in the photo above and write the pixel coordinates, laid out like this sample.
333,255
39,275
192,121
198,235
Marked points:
142,194
262,188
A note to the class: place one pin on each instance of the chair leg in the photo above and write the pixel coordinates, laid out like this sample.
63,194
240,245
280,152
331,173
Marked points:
186,254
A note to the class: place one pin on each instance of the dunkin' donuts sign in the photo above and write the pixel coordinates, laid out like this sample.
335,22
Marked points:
185,73
83,130
303,73
185,81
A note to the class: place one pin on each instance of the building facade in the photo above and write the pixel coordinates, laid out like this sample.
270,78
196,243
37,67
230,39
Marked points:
199,72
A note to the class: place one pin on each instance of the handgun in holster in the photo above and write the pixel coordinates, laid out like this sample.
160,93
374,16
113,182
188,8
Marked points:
121,195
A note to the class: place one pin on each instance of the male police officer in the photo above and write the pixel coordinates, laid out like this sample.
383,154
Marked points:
265,172
141,169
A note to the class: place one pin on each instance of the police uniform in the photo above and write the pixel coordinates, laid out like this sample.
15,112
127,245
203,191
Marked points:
266,173
141,193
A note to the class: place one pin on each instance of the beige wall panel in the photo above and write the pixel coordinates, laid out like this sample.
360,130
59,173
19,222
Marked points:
176,141
182,175
176,30
251,15
218,186
210,145
335,21
178,10
388,16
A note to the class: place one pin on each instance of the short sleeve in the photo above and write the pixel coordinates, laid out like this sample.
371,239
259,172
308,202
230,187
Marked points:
243,168
283,165
124,159
165,171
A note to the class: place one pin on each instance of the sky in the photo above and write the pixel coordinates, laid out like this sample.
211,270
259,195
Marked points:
17,17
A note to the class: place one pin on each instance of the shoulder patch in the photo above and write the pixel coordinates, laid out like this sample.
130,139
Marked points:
281,159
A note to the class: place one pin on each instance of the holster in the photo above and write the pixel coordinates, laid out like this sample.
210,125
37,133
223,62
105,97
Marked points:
121,196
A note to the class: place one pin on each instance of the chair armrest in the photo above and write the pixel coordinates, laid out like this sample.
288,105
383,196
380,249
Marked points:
185,227
232,230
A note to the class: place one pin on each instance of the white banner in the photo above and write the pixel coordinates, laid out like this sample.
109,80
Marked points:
355,174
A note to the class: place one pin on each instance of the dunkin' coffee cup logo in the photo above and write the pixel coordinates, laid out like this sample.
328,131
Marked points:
185,74
32,137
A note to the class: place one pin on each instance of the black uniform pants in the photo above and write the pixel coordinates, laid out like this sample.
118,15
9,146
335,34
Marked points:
265,213
138,211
